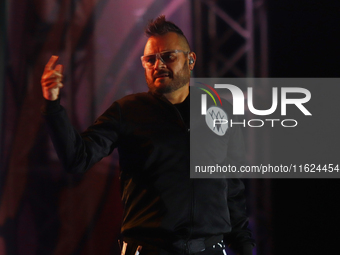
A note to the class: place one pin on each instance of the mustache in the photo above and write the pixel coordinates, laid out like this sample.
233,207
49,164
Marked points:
161,73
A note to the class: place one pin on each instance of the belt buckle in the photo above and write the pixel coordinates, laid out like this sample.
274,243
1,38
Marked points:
195,245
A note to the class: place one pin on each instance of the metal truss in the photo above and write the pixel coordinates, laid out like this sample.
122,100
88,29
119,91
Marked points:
232,36
231,41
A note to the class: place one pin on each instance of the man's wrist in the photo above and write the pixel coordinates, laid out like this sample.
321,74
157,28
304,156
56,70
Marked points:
50,106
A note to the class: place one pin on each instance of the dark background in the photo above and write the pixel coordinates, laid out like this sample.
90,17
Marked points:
45,211
304,42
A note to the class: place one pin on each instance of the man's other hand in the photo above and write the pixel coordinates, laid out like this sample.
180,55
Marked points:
51,80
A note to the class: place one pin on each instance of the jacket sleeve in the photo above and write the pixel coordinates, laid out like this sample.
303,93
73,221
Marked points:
239,239
78,152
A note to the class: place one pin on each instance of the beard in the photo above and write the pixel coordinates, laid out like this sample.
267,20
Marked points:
176,81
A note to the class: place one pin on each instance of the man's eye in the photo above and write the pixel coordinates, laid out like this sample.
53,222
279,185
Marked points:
168,56
150,59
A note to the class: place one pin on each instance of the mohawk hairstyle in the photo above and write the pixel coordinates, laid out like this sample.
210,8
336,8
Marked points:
160,26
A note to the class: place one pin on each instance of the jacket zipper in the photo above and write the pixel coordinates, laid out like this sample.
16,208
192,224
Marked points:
191,214
177,111
181,117
191,217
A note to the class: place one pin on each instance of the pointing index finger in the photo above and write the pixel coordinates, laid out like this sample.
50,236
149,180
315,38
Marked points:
51,62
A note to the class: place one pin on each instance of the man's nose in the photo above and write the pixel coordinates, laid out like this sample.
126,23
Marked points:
159,63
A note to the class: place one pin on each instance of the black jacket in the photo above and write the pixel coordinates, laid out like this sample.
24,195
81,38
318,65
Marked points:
161,203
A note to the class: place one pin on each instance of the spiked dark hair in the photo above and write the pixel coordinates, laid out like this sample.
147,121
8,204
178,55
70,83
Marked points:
161,26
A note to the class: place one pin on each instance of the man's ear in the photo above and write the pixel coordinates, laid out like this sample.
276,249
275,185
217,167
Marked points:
192,60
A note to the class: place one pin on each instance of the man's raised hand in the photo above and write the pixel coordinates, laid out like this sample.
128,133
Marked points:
51,80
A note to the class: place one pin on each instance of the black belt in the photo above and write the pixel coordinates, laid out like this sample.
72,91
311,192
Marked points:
179,247
196,245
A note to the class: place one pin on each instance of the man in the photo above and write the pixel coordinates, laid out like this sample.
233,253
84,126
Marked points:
165,212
